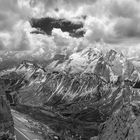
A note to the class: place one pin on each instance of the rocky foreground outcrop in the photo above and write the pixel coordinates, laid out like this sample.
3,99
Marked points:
6,120
123,125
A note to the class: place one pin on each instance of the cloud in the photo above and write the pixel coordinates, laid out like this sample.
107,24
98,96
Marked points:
96,29
125,8
127,27
11,12
126,17
114,22
65,41
16,39
8,14
1,45
49,4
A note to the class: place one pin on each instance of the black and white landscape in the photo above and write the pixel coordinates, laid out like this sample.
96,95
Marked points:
69,69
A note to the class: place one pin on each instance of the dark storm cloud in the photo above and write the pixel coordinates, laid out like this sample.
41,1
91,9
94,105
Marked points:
48,24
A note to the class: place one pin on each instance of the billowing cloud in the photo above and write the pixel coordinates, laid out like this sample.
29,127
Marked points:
114,22
126,17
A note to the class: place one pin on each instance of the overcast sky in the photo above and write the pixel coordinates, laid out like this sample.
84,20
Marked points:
114,23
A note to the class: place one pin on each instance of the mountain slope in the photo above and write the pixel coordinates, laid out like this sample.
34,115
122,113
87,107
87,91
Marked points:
88,87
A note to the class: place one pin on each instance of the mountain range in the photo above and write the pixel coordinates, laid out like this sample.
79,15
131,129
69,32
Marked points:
99,90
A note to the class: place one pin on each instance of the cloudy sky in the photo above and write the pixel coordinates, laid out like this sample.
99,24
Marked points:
108,24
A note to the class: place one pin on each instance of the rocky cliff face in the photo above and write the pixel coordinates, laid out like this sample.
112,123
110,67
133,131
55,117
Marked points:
6,120
89,92
122,125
